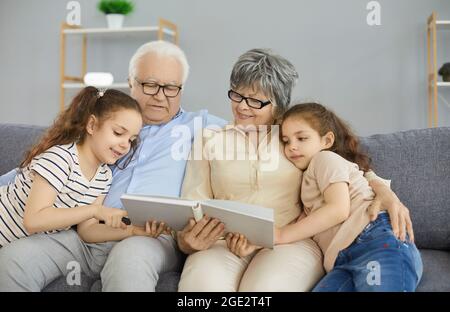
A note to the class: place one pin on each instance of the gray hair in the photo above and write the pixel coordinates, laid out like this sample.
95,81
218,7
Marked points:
162,48
267,72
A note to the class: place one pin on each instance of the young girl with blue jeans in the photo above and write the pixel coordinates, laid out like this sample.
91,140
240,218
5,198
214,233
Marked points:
68,168
359,255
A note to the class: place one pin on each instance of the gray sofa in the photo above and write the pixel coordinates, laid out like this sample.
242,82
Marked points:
417,161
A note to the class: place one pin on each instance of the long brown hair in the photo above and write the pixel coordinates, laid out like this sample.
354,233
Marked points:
323,120
70,125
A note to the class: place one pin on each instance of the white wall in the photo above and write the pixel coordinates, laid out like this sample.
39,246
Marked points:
374,77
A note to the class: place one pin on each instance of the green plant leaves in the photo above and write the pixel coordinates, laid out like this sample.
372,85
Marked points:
116,6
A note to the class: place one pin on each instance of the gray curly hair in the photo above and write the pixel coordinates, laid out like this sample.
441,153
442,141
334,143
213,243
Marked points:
269,73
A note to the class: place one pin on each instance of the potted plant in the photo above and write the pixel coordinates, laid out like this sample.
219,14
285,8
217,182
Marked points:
445,72
115,11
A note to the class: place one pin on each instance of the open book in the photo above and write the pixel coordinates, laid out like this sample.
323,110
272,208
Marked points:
255,222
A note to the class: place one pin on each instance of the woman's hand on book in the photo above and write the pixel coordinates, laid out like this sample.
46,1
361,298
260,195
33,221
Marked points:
199,235
152,229
239,245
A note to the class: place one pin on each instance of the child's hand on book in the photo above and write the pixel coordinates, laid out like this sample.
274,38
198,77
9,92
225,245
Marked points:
152,229
239,245
111,216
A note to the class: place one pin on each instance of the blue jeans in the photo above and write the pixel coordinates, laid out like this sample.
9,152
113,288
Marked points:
375,262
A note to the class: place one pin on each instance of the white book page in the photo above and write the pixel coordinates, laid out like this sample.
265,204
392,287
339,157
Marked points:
173,211
241,208
255,222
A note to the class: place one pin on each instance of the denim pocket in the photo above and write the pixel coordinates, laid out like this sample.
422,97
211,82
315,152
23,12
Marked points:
376,230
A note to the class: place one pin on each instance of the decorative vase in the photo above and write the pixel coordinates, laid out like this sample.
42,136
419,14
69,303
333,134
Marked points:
115,21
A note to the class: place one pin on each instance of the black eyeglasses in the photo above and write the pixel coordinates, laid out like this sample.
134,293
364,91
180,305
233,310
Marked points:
152,88
253,103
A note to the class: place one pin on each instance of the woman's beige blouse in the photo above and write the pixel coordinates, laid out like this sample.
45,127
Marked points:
225,164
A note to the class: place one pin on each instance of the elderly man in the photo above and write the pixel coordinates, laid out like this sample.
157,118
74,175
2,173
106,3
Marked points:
135,263
157,73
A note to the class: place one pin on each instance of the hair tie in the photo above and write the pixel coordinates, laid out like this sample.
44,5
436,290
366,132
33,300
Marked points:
100,93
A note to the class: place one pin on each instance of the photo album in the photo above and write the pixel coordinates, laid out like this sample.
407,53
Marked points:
255,222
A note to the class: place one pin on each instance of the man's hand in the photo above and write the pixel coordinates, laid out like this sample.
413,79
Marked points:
387,200
239,245
199,235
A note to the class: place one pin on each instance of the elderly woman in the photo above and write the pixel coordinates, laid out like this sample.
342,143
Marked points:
254,170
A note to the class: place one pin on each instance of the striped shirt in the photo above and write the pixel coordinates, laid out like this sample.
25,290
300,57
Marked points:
60,167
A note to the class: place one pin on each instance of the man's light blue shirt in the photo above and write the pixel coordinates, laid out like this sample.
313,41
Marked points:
154,170
8,177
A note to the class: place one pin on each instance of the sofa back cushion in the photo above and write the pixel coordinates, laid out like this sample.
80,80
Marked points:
418,163
15,140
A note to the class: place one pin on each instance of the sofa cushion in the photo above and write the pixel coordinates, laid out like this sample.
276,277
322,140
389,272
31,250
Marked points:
168,282
436,276
436,271
418,163
15,141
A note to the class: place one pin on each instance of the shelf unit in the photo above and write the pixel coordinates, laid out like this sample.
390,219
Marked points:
164,27
433,84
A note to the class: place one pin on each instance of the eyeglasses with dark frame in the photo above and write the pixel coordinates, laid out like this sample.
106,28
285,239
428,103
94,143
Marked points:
152,88
253,103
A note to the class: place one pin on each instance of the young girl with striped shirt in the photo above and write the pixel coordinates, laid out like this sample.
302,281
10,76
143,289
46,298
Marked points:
68,168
